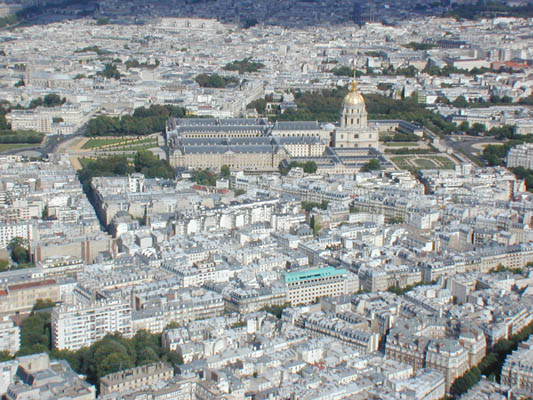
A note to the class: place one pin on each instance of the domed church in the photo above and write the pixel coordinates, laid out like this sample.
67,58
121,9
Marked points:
353,130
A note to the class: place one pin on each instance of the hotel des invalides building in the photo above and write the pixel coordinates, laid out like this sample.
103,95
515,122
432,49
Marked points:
255,145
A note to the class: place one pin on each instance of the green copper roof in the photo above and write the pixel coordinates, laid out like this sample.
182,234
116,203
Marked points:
313,274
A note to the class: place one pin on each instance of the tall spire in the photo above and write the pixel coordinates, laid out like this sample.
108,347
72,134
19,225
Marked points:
355,87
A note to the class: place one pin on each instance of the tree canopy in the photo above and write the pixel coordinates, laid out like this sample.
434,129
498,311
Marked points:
244,65
204,177
144,121
145,162
345,71
215,81
18,248
110,71
111,354
420,46
371,165
151,166
133,63
489,9
325,106
50,100
309,167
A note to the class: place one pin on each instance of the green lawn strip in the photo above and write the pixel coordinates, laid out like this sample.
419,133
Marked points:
130,148
422,162
109,143
14,146
445,162
401,144
425,163
400,161
94,143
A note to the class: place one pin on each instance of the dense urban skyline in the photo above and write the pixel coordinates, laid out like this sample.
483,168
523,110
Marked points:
241,199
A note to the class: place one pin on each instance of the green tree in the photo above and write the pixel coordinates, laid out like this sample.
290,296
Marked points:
345,71
494,154
464,126
99,351
174,358
52,100
151,166
5,356
19,250
105,166
310,167
35,334
143,159
309,205
463,384
420,46
259,105
4,265
204,177
172,325
225,171
147,347
74,358
114,362
478,128
43,304
371,165
315,224
214,81
276,310
110,71
244,65
460,102
143,121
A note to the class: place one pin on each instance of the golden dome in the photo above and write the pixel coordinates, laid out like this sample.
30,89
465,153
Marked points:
354,97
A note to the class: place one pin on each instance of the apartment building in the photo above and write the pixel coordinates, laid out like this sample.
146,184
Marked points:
517,371
74,327
248,300
56,120
21,297
9,336
10,231
182,306
422,344
306,286
135,378
520,156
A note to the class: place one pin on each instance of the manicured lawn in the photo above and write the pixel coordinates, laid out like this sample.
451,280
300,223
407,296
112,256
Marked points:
84,161
13,146
134,146
94,143
445,162
401,144
424,163
400,161
132,143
